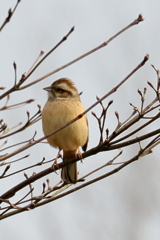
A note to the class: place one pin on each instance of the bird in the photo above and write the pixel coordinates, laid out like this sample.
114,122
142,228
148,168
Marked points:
62,106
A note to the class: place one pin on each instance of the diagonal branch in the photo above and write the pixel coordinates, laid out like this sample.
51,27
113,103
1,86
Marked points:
30,144
10,14
54,197
24,77
93,151
138,20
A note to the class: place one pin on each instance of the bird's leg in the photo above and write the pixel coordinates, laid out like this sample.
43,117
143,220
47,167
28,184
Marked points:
55,160
79,154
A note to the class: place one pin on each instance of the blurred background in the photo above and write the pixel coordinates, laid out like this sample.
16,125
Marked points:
125,205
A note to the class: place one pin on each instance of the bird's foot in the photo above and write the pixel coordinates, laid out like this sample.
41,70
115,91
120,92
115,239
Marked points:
54,166
79,155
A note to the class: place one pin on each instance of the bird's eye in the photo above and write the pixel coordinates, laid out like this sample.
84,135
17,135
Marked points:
60,90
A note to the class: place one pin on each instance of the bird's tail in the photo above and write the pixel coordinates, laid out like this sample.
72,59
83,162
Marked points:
69,172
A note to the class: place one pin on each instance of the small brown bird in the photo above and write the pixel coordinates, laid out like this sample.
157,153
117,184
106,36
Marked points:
62,106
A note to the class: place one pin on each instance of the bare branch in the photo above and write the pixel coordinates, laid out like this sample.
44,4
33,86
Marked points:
50,193
5,107
138,20
79,116
10,14
53,197
24,77
36,117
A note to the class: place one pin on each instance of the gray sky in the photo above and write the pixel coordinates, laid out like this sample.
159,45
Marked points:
123,206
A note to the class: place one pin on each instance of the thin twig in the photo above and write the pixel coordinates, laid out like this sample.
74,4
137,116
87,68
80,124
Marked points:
130,122
16,105
61,41
24,77
10,14
30,121
137,130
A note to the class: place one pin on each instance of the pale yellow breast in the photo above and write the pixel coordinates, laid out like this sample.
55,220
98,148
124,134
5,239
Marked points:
57,113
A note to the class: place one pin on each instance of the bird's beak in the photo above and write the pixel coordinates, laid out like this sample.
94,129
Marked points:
48,89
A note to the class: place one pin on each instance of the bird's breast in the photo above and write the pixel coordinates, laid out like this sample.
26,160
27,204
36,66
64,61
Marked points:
59,112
